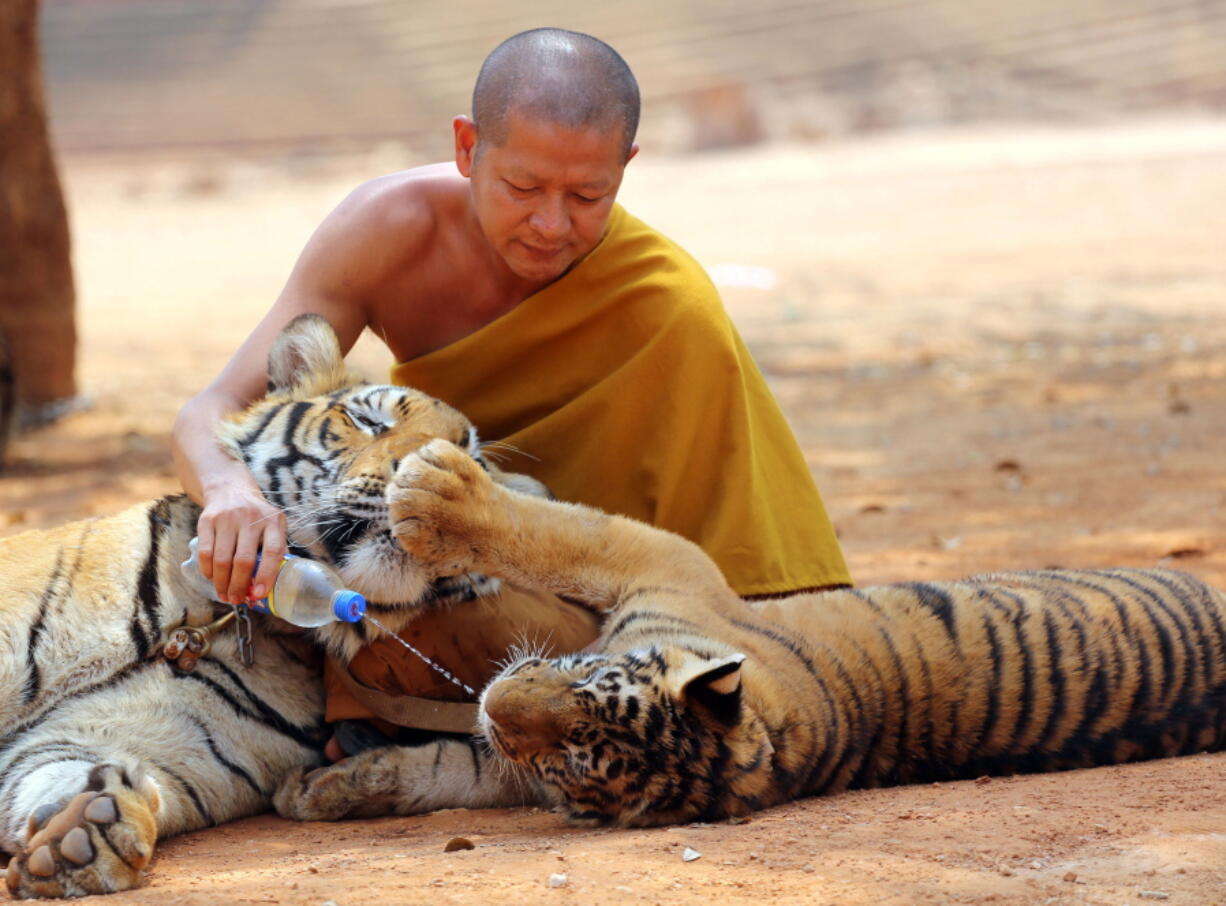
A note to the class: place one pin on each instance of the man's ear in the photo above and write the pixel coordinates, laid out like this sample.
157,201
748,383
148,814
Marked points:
634,149
716,685
465,144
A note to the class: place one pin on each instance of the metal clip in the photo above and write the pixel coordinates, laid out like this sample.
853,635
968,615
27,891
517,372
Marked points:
188,644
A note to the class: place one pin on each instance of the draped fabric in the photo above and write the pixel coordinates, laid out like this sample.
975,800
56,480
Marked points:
626,387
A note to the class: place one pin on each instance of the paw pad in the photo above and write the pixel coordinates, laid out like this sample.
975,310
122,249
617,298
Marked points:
62,855
42,863
101,810
76,848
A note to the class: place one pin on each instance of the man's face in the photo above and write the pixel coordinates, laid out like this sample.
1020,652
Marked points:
544,195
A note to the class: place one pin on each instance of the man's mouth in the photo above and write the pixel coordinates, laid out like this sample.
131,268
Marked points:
543,252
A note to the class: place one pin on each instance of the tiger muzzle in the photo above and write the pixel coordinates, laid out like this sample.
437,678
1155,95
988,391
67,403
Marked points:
523,716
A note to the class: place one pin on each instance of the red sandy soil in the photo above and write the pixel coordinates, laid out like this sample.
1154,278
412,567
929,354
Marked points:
999,349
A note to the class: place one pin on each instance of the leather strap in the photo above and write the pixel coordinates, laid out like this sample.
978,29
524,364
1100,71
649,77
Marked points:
412,710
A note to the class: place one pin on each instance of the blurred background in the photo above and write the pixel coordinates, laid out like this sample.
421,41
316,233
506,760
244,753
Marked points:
310,77
976,247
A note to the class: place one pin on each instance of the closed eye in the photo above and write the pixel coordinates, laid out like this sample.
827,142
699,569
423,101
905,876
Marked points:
579,684
366,422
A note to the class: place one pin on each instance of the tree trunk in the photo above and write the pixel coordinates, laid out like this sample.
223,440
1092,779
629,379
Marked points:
37,299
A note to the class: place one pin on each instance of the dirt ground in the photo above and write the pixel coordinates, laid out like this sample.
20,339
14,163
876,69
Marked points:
999,349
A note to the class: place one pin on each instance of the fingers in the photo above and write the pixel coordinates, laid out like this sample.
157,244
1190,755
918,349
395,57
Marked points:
204,546
242,564
333,751
232,530
273,550
215,550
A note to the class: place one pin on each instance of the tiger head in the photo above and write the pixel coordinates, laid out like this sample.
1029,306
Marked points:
323,445
658,735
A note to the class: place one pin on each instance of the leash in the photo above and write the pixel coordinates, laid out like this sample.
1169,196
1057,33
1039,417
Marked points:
411,710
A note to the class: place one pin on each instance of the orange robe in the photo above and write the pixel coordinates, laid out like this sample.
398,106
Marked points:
627,387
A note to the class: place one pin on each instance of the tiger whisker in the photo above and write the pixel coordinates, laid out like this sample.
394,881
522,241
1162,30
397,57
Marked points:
502,445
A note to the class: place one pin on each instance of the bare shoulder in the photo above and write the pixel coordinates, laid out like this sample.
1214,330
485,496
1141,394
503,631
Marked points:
407,205
383,228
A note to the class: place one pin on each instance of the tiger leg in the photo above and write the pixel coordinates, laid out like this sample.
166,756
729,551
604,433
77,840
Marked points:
404,780
452,517
97,841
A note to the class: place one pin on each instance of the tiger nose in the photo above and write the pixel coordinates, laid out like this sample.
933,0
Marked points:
522,714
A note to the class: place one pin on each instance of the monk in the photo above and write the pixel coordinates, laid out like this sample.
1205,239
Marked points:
511,285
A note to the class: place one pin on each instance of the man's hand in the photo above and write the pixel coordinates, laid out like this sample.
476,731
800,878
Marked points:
236,524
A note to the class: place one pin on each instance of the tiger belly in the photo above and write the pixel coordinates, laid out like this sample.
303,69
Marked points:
83,682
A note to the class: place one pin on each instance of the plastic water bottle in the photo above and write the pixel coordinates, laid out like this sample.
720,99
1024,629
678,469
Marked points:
305,592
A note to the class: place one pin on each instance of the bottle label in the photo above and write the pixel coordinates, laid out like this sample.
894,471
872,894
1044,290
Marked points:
261,605
268,603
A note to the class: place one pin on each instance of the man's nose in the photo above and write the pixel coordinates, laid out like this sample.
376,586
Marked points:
550,219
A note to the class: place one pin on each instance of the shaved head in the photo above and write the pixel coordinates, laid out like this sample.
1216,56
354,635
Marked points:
556,76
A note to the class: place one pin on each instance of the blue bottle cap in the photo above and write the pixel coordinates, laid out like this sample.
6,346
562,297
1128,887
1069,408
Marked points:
348,606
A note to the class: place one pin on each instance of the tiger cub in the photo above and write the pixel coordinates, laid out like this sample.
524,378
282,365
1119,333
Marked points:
697,706
107,745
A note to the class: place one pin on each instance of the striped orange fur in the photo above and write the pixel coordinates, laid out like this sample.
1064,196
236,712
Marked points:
697,705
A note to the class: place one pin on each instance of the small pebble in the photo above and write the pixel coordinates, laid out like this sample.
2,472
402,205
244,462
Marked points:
458,843
558,880
690,855
1153,895
1070,876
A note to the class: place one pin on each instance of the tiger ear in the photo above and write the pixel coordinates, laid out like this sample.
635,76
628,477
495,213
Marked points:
306,348
715,684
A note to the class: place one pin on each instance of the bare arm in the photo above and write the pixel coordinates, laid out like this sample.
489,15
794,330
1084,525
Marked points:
336,276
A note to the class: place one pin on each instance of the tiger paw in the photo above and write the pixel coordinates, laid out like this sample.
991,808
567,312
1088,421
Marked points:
98,841
360,786
442,505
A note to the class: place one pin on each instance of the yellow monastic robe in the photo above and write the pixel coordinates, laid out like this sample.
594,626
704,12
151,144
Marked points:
627,388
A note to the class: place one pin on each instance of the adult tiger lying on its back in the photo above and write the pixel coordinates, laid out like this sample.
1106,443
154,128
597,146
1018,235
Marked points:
105,745
698,706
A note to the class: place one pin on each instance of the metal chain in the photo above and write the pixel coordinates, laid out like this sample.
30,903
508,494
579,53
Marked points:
437,668
246,644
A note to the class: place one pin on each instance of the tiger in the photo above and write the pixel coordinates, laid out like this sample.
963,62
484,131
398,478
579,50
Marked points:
696,705
106,745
